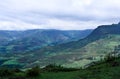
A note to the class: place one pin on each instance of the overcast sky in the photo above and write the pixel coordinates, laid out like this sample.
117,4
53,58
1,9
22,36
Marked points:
57,14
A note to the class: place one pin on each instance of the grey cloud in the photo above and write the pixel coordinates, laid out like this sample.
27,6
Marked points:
69,14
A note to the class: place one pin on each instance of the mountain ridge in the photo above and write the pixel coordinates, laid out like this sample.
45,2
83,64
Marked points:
37,38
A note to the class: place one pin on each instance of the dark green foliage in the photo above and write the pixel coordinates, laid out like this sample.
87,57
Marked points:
109,57
4,72
58,68
16,70
33,72
17,78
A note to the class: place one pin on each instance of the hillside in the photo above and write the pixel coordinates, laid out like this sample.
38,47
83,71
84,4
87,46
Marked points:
95,46
22,41
108,68
79,53
101,70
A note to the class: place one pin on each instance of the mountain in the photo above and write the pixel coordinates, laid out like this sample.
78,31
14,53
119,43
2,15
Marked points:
94,47
22,41
79,53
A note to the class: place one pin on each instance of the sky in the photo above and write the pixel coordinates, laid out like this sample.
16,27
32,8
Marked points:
58,14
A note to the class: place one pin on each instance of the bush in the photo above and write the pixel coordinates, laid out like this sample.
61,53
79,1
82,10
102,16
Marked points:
34,72
17,78
58,68
5,72
16,70
109,58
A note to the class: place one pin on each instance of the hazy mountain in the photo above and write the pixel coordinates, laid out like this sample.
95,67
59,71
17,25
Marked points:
21,41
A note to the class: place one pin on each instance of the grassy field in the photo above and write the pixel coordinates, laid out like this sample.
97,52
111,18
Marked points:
60,75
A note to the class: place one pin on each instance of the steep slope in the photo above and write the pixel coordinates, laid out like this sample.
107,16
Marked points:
102,32
99,33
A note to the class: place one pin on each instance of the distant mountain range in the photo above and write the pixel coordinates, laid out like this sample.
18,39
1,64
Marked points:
96,45
22,41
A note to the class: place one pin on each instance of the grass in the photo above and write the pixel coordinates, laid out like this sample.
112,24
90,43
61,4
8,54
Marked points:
60,75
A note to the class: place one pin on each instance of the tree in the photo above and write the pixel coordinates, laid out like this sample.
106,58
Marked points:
34,72
5,72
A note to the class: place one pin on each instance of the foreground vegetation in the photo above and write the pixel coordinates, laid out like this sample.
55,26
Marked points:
109,68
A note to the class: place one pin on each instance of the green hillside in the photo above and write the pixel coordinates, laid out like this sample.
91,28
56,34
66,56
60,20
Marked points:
95,46
105,69
102,70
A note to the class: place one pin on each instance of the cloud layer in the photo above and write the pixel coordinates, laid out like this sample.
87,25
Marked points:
57,14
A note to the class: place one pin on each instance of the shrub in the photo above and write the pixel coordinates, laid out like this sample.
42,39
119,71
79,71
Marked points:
58,68
34,72
17,78
109,58
5,72
16,70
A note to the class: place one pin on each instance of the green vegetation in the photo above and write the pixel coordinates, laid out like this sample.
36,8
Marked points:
109,68
34,72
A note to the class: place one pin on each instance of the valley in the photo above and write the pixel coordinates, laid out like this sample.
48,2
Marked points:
60,39
94,47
